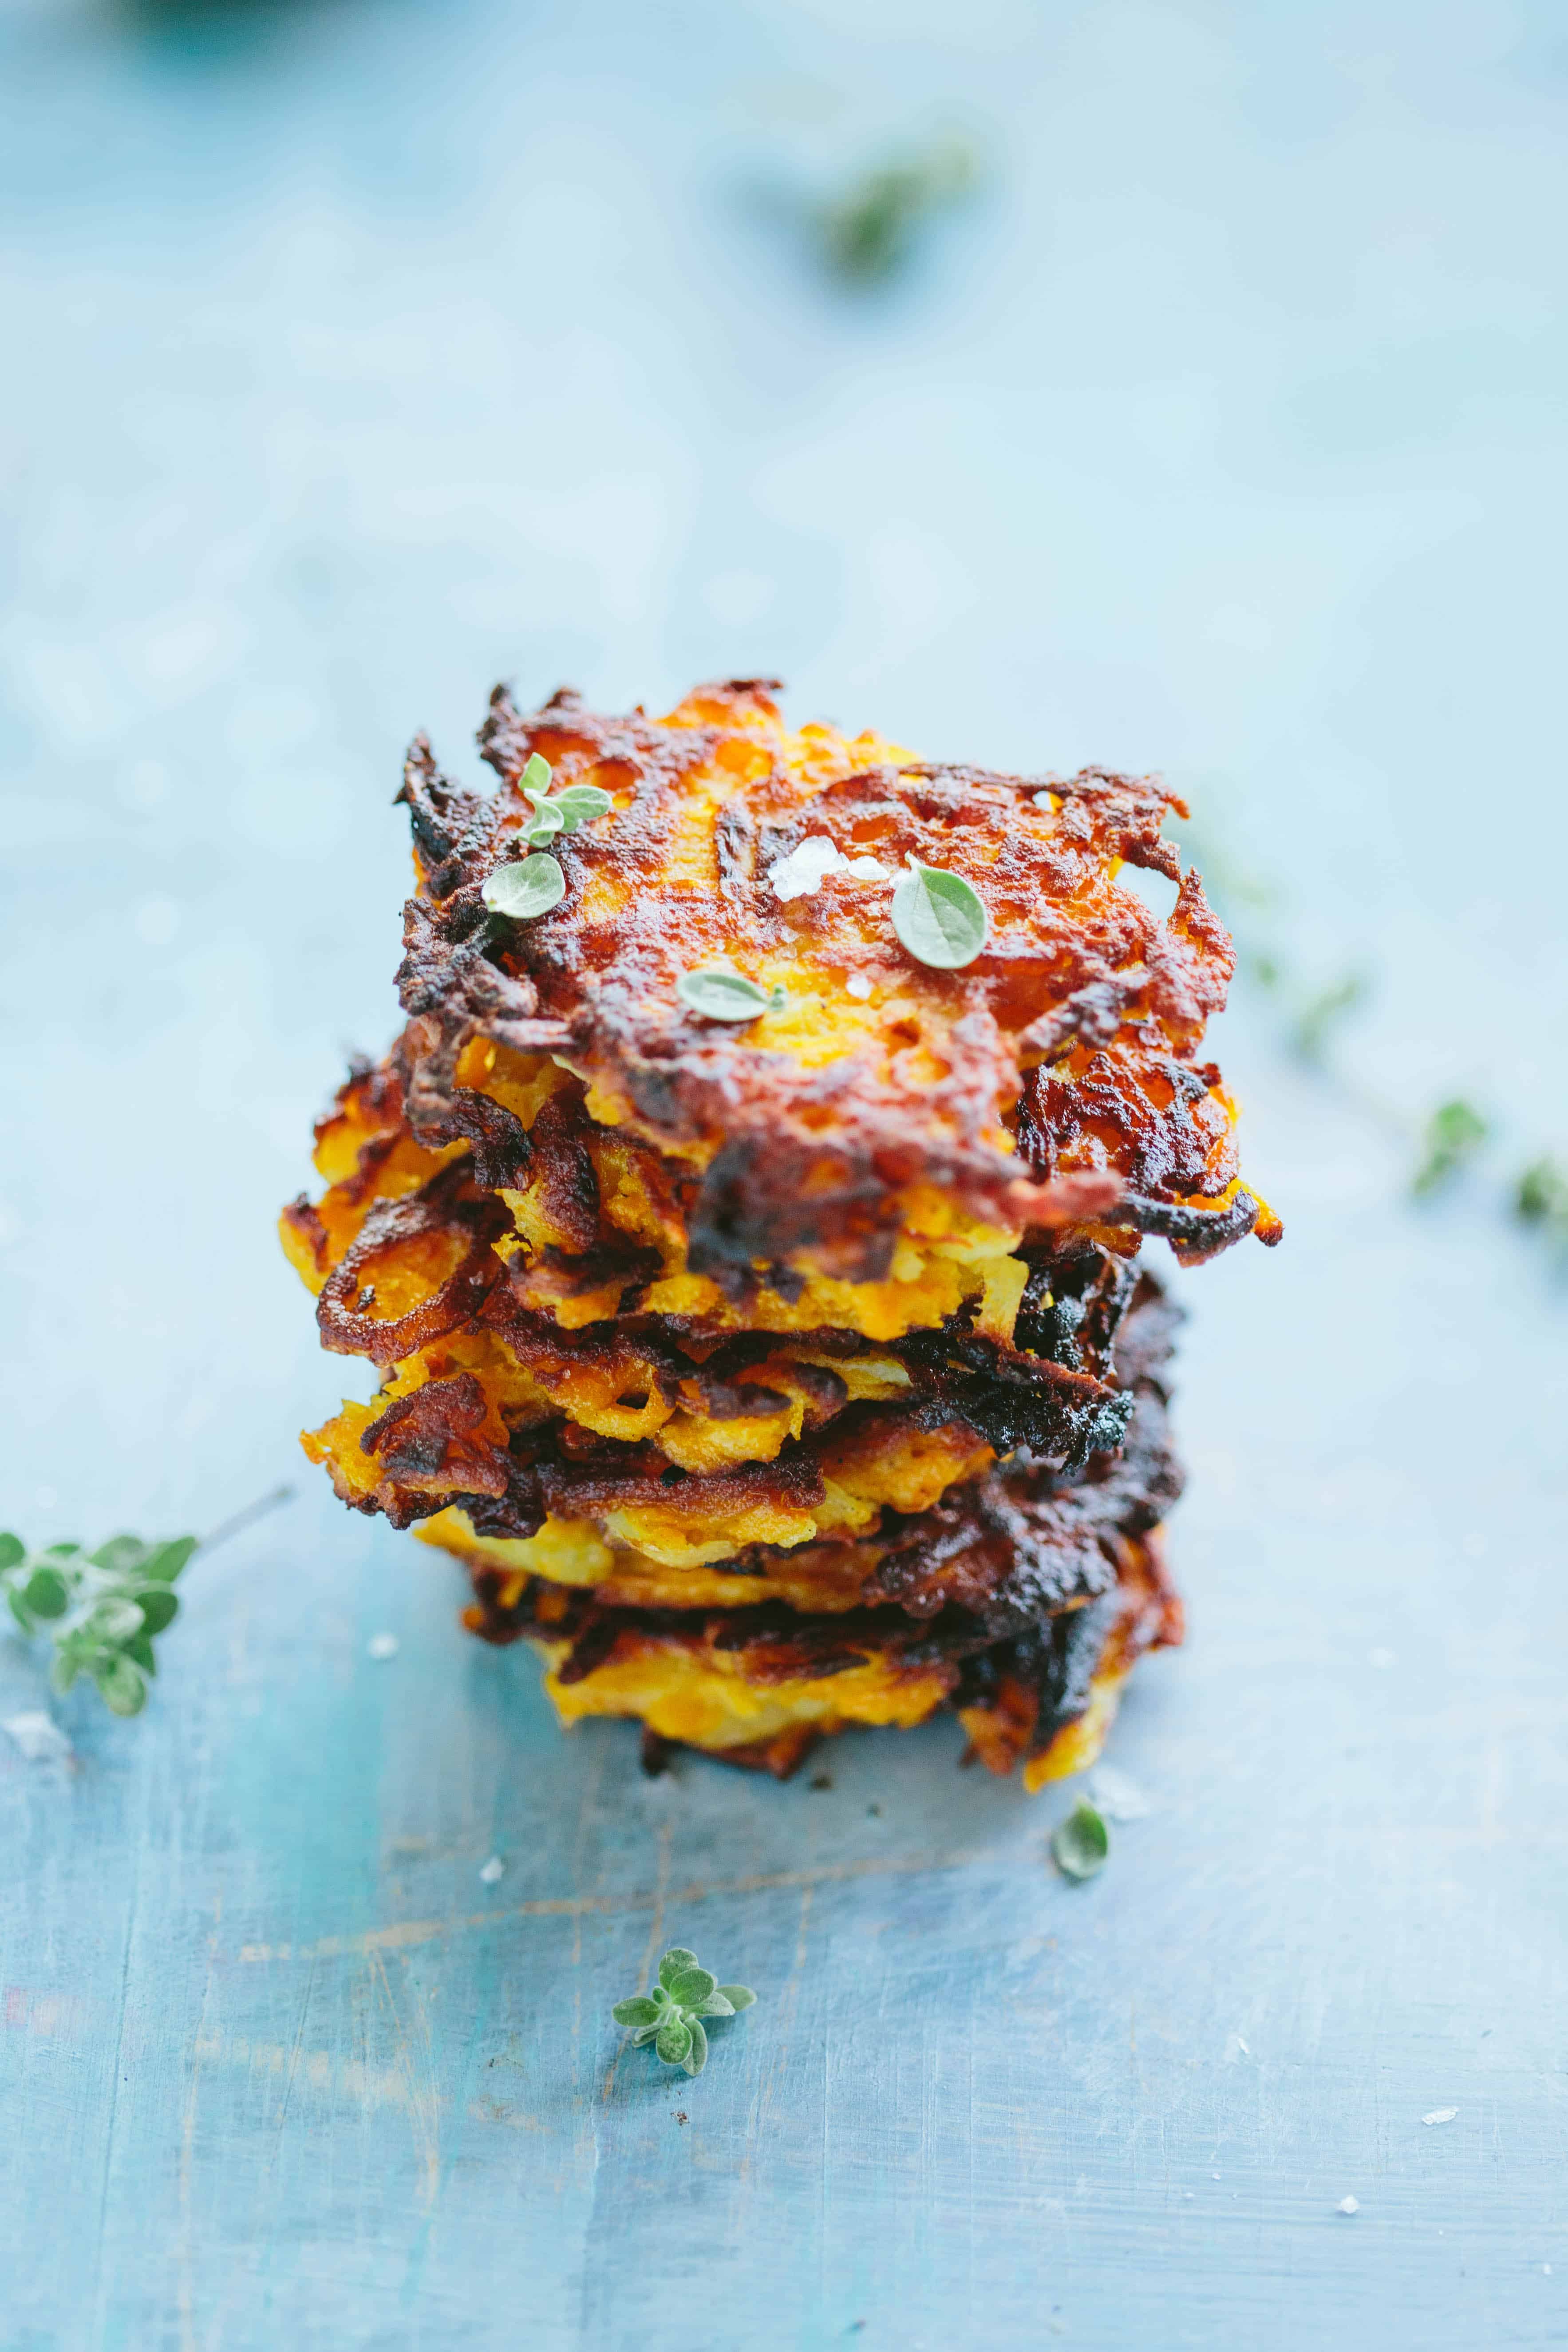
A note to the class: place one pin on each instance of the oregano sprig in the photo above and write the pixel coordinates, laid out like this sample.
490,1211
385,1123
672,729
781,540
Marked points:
105,1608
671,2016
530,885
572,806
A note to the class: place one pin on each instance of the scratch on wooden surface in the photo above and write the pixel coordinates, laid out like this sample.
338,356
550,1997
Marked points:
100,2282
320,2071
404,1933
422,2096
1491,1791
650,1954
185,2291
304,2011
777,2061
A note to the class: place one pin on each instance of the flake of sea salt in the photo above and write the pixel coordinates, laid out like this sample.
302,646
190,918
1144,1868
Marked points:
1440,2116
802,872
380,1645
799,874
857,985
492,1870
1117,1795
38,1736
1348,2205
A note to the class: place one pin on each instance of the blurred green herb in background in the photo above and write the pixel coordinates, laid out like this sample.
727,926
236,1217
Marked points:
1311,1014
1315,1021
1452,1137
1541,1198
870,232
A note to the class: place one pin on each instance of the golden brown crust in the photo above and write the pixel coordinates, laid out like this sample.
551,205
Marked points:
804,1130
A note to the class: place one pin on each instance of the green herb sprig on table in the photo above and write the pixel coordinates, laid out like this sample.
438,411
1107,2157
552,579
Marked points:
104,1608
671,2016
870,232
1081,1844
530,885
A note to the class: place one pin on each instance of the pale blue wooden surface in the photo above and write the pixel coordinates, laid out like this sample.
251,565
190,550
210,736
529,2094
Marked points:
357,357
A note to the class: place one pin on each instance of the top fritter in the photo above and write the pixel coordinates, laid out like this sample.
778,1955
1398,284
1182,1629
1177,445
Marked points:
1052,1079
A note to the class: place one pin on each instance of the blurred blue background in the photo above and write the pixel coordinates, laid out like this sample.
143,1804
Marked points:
359,355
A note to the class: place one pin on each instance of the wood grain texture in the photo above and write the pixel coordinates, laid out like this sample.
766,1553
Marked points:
389,355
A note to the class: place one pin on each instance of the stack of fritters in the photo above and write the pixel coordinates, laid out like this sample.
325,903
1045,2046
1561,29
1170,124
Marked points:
787,1373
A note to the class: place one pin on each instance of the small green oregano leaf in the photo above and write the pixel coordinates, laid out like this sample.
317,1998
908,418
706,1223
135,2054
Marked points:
529,887
579,802
12,1551
1454,1134
121,1683
940,917
674,1960
158,1607
697,2057
639,2011
739,1996
691,1987
119,1555
535,777
674,2044
547,820
164,1561
720,995
45,1593
1081,1842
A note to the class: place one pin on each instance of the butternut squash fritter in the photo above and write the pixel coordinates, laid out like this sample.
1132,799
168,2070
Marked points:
1055,1078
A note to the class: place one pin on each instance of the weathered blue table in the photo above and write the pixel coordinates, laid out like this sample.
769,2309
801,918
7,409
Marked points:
358,356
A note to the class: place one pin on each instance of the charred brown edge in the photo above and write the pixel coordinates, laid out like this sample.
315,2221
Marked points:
436,1207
